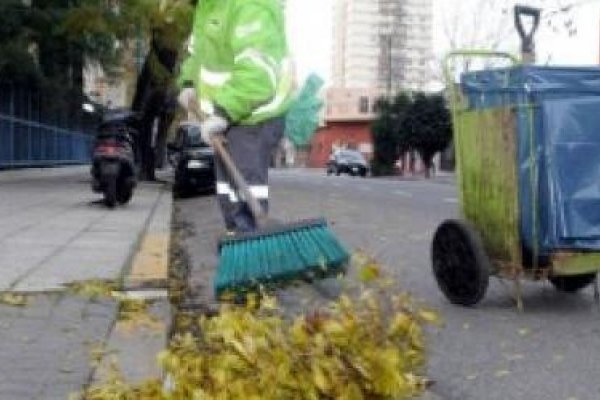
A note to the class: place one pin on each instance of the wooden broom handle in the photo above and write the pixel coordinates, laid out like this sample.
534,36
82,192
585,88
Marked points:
260,218
218,143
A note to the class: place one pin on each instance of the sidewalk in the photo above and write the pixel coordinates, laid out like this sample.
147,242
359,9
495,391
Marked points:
54,231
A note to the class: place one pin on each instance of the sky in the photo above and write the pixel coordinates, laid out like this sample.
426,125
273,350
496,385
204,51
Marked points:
310,31
310,28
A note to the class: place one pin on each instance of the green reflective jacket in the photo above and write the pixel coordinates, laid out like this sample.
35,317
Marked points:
239,59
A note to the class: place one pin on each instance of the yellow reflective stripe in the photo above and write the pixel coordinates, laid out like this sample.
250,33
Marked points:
214,78
262,60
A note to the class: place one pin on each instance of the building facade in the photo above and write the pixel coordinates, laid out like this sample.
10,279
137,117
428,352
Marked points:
349,114
385,44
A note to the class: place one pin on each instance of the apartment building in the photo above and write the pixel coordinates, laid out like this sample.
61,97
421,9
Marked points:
384,44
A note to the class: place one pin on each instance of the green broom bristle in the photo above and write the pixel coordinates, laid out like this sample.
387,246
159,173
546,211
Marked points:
305,250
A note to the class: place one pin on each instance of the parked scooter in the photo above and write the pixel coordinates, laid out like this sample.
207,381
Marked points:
114,157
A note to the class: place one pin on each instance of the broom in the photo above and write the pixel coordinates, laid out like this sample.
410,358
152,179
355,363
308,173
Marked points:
275,253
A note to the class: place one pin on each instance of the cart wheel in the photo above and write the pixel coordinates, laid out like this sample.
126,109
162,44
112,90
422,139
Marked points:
460,265
572,284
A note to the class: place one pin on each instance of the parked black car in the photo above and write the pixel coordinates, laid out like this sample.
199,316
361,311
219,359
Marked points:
193,161
350,162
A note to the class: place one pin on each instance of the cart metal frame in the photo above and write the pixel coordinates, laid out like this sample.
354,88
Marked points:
487,242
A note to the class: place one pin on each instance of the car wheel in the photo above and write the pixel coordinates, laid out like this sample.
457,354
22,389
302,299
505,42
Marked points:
180,192
179,189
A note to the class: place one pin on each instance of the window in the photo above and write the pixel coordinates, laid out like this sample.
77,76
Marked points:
376,106
363,104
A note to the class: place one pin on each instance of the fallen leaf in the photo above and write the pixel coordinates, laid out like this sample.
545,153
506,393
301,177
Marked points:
514,357
501,373
369,273
524,332
430,316
92,289
14,300
558,358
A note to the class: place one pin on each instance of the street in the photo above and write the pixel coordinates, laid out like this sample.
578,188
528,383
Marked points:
490,352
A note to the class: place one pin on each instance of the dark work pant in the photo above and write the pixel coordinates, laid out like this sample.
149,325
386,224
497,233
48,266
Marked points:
251,147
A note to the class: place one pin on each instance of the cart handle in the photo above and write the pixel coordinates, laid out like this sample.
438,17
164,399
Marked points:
527,46
446,63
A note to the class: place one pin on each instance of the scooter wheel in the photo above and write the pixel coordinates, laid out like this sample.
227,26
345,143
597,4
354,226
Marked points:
125,191
110,192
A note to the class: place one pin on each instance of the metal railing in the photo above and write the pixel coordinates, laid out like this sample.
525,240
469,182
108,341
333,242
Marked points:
37,129
25,143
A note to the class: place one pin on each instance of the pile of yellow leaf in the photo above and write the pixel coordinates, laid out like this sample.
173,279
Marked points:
92,289
368,348
134,314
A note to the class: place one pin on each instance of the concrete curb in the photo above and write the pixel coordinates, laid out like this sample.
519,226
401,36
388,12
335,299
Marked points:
134,349
149,265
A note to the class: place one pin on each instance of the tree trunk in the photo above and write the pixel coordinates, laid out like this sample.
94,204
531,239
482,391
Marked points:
427,159
152,101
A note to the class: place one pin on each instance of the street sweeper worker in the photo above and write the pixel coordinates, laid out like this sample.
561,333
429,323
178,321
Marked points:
239,76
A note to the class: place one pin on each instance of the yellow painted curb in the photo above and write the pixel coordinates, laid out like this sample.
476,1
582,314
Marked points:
152,259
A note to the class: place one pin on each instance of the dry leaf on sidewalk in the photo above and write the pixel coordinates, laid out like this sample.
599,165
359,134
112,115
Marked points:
12,299
92,289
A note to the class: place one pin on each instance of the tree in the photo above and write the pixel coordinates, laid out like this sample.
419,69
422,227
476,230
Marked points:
44,46
163,26
168,25
49,43
489,24
427,127
17,63
388,141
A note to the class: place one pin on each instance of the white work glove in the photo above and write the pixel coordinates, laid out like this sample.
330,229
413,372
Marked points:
213,125
187,97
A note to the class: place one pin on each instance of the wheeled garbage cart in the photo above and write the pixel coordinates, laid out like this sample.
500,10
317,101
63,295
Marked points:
527,146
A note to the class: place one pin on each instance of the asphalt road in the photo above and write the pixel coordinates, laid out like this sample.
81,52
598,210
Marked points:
551,351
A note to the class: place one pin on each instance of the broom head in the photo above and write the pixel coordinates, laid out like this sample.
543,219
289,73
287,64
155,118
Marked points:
304,250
